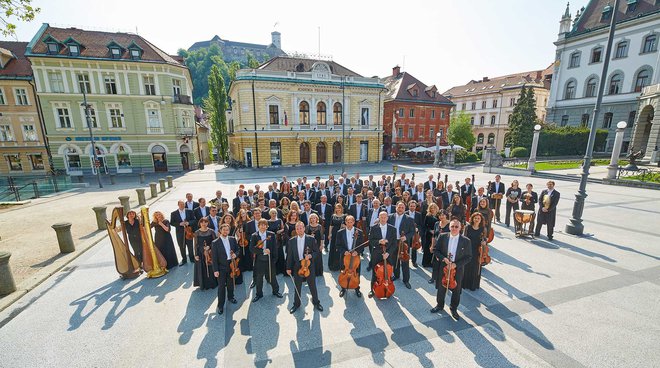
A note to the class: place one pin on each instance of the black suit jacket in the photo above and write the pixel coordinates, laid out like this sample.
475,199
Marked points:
195,205
293,258
274,196
251,227
407,226
463,254
500,188
352,210
376,250
176,220
342,246
429,185
328,212
447,197
418,219
467,190
550,216
305,219
236,204
198,212
271,243
219,254
322,192
212,225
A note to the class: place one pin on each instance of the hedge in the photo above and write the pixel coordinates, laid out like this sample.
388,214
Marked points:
465,156
568,141
519,152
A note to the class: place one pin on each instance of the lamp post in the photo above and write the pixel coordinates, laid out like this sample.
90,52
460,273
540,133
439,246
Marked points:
535,143
343,125
618,142
91,137
436,163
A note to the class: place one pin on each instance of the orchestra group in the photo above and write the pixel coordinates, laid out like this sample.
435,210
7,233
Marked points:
286,227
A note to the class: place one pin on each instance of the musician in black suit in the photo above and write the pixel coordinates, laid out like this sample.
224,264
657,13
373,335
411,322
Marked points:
381,234
190,204
214,219
388,206
236,202
202,210
322,191
372,215
181,218
448,195
252,226
347,240
302,246
264,254
218,199
455,249
496,187
418,219
223,250
467,189
547,210
272,194
307,212
358,209
405,230
430,184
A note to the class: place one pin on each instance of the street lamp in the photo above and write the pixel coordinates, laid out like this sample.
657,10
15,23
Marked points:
436,163
535,142
91,137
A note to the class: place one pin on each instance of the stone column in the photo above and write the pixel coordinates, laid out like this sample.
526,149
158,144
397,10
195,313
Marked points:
141,198
154,191
101,217
531,163
124,200
616,151
451,157
169,181
64,238
162,185
7,285
112,179
142,179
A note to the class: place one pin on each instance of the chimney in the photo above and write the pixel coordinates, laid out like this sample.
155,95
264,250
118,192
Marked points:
485,79
276,39
396,71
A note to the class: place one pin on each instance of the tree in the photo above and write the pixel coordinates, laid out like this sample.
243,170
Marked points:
200,62
523,119
19,9
252,62
460,130
216,105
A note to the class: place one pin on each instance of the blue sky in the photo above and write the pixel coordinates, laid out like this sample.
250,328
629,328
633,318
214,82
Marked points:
444,42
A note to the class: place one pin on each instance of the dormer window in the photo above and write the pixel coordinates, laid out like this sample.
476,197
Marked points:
632,6
607,13
135,54
135,51
74,50
115,52
414,93
53,48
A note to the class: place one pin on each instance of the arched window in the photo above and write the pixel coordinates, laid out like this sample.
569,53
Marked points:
615,84
569,93
650,43
491,138
480,138
320,113
642,80
482,120
492,120
303,115
337,118
591,87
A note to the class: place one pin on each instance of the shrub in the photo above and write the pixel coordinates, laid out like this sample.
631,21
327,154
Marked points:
568,141
480,155
519,152
463,156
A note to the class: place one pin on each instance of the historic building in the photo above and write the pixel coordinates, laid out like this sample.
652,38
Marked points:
297,111
23,145
141,112
413,113
490,101
238,51
579,63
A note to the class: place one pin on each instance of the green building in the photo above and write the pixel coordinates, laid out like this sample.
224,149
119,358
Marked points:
141,109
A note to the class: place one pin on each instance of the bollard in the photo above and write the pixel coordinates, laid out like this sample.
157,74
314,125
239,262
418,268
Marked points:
112,179
64,239
123,200
101,217
141,199
142,179
7,285
162,185
169,181
154,191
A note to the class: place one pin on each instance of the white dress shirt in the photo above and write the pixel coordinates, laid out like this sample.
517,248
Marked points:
397,224
301,246
349,237
189,205
202,210
383,231
263,235
225,242
453,246
182,214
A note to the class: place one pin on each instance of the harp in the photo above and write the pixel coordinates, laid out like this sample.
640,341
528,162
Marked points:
153,261
126,264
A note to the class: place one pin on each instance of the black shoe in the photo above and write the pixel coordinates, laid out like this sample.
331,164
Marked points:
252,285
342,293
437,308
256,298
219,310
431,281
233,301
454,314
319,307
182,263
407,284
371,294
358,293
293,309
550,238
536,235
394,278
507,225
414,264
278,294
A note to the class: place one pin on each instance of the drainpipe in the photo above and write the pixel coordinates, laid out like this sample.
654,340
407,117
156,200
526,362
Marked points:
254,108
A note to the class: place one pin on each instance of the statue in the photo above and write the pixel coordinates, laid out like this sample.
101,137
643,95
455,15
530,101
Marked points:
632,156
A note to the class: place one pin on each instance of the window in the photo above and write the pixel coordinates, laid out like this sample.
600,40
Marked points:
320,113
303,113
63,117
74,50
607,120
483,104
115,116
650,44
615,84
432,114
84,83
631,118
414,93
621,50
364,117
37,161
53,48
410,133
632,5
92,116
494,104
275,153
421,132
584,120
135,54
123,158
400,133
149,85
153,120
56,82
482,120
401,112
491,138
2,97
176,87
471,120
115,52
273,114
14,162
185,119
596,55
411,113
442,114
564,120
463,106
474,106
607,12
512,101
29,133
432,133
480,138
570,90
642,80
575,60
110,85
591,88
337,112
492,120
6,134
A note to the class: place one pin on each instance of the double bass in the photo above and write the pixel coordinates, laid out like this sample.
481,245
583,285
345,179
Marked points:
383,287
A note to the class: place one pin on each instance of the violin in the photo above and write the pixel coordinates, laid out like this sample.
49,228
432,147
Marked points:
484,257
189,232
234,271
208,258
244,241
383,287
416,241
303,271
348,277
403,250
449,275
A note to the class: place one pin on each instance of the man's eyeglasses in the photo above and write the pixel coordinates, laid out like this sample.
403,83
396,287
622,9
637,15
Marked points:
454,226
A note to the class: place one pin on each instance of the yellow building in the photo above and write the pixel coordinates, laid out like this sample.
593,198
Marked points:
296,111
22,142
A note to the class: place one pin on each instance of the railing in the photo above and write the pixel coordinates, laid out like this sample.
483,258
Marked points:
185,131
16,188
642,174
155,130
182,99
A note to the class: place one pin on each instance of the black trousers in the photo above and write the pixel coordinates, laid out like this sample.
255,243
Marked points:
225,287
510,207
495,204
413,255
311,282
401,265
183,244
261,271
545,218
442,291
358,272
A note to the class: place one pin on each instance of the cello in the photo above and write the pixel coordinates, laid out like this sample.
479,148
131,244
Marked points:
348,276
383,287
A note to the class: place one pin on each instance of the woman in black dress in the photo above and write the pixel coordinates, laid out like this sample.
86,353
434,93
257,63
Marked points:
487,214
275,225
477,235
457,209
442,226
336,223
204,277
429,224
285,203
132,226
244,255
163,239
316,230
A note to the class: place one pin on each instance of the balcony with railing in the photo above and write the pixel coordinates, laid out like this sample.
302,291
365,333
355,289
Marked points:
185,132
155,130
182,99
